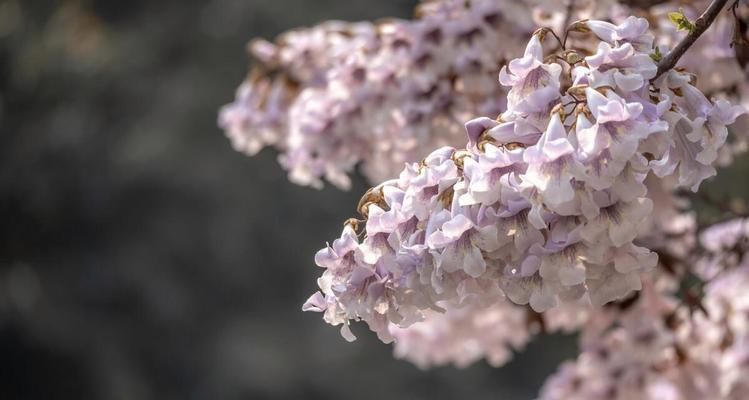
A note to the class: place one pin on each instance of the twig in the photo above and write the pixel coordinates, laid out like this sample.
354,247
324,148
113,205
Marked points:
559,40
568,16
700,26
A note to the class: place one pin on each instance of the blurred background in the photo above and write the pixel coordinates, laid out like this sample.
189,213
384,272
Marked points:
141,257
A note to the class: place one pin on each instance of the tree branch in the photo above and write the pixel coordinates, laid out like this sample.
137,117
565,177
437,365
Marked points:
700,26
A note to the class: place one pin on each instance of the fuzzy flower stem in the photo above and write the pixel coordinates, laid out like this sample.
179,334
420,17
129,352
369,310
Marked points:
700,26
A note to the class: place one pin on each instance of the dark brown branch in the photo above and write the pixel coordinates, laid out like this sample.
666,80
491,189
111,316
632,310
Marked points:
700,26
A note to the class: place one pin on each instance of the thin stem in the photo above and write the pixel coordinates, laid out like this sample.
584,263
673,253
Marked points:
700,26
567,20
561,45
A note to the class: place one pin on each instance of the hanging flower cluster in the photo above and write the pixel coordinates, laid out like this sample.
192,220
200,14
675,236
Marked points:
260,114
662,347
382,94
725,45
463,335
544,204
554,214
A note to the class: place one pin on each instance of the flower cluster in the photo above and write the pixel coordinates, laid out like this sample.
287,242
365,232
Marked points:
726,245
724,44
382,94
294,68
650,345
463,335
554,214
379,95
544,204
661,348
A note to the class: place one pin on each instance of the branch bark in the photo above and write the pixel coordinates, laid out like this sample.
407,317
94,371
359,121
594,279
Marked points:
700,26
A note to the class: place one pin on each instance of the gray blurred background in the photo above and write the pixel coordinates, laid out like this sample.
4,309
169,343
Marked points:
141,257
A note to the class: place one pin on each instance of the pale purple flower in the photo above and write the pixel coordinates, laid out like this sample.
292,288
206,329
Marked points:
461,242
494,165
633,30
617,221
620,66
552,164
697,131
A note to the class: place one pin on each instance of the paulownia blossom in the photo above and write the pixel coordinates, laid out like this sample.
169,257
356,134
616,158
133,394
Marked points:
382,94
555,213
661,347
379,95
465,334
544,205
